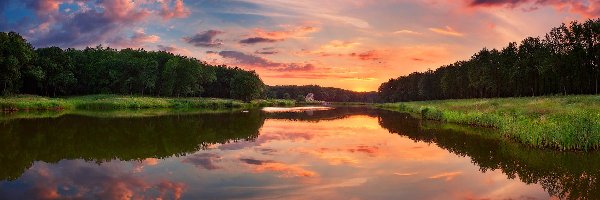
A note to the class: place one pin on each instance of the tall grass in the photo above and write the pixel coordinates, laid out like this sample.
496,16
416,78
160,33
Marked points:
561,122
113,102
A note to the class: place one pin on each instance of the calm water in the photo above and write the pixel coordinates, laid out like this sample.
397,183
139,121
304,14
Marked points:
345,153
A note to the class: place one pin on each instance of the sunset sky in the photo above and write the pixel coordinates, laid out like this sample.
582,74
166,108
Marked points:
354,45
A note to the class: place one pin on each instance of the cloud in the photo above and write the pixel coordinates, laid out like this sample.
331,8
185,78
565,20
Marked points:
334,47
166,48
447,176
263,36
248,60
204,160
408,32
77,179
446,31
205,39
179,10
90,23
365,56
287,171
369,55
138,38
319,10
252,161
297,67
288,32
42,7
267,51
174,49
586,8
255,40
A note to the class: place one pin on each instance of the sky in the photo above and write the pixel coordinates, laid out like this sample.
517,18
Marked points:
350,44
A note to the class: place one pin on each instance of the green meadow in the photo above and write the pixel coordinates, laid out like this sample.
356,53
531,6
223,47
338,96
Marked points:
111,102
559,122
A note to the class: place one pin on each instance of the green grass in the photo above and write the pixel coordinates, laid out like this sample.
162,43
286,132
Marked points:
560,122
114,102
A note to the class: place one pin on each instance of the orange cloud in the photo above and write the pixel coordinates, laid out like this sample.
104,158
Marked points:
290,32
263,36
447,31
404,174
369,55
448,176
287,171
409,32
167,186
337,45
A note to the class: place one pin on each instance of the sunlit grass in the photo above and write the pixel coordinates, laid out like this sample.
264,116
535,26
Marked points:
108,102
562,122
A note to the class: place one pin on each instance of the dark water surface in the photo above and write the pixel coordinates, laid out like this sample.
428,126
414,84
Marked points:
345,153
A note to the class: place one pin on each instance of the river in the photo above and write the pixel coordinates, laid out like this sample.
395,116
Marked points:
340,153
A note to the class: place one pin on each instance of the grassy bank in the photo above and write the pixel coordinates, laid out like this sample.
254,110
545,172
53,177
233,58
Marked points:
108,102
562,122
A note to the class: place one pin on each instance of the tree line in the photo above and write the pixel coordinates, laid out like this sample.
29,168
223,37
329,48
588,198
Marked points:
53,71
565,61
329,94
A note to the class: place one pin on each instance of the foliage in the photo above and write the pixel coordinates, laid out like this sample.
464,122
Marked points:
565,61
15,58
566,122
55,72
246,86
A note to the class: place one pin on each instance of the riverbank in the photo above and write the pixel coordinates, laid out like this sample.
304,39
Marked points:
112,102
561,122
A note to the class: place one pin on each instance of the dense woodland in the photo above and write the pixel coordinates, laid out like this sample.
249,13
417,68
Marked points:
329,94
565,61
54,72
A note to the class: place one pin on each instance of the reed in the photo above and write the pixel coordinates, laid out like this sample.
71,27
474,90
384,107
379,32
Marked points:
560,122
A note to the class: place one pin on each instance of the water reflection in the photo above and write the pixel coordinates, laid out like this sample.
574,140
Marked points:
567,175
23,141
343,153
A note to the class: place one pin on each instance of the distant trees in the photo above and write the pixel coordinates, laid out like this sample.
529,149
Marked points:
320,93
565,61
53,71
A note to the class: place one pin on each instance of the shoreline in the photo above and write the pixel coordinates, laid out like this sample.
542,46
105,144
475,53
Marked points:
116,102
558,122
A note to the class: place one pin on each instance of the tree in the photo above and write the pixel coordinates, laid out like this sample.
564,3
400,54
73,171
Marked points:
15,57
564,62
58,71
246,86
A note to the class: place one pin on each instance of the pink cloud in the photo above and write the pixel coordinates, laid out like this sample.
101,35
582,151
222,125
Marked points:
447,31
257,62
447,176
124,10
137,39
178,11
262,36
286,170
90,180
585,8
